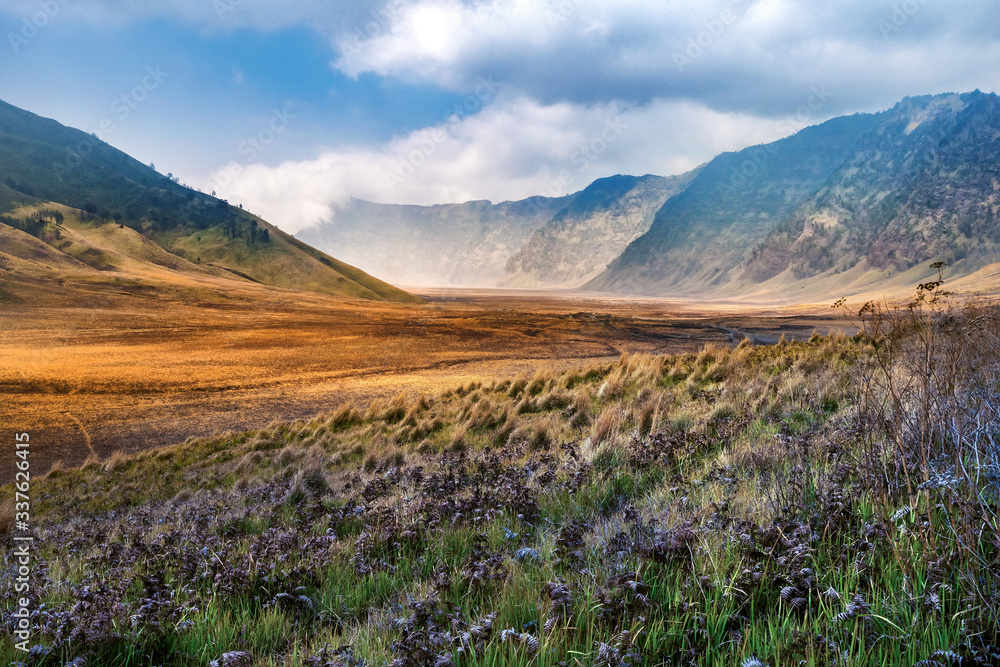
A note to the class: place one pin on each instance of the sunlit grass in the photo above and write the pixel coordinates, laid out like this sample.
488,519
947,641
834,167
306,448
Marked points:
707,509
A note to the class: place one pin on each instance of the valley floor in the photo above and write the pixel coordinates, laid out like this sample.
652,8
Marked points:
132,374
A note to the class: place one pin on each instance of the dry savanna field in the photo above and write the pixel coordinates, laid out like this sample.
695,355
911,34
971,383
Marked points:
241,474
133,372
828,501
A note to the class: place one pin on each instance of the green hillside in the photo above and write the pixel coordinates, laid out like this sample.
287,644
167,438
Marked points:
44,161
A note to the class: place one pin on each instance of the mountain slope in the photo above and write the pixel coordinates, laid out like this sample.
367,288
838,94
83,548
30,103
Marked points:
699,236
82,258
923,188
43,161
580,240
448,244
534,242
856,204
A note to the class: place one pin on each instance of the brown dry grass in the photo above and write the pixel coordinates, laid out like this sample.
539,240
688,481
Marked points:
6,516
126,373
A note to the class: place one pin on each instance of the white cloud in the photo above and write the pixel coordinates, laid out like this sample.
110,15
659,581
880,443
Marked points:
743,55
753,56
513,149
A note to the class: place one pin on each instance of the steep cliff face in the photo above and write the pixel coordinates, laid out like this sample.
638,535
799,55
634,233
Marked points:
924,185
872,195
701,236
580,240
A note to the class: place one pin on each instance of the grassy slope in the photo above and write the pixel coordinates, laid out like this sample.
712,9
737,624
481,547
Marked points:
698,509
95,255
283,262
179,257
9,198
60,164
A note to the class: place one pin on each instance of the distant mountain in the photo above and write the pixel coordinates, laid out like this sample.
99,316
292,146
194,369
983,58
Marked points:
923,185
699,238
592,230
448,244
838,208
100,192
534,242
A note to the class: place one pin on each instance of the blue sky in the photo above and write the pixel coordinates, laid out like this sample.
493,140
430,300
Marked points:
294,108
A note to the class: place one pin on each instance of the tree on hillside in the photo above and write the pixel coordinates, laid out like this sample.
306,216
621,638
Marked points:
50,214
11,183
90,208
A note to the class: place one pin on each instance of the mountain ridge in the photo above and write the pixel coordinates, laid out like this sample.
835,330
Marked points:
509,244
59,184
697,236
581,239
896,190
464,244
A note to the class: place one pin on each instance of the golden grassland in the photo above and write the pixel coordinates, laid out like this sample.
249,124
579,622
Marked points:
495,477
128,373
108,342
742,504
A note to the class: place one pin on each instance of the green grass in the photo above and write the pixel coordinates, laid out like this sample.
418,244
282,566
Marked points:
742,528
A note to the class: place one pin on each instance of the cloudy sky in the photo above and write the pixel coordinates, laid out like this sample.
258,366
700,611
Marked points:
293,108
